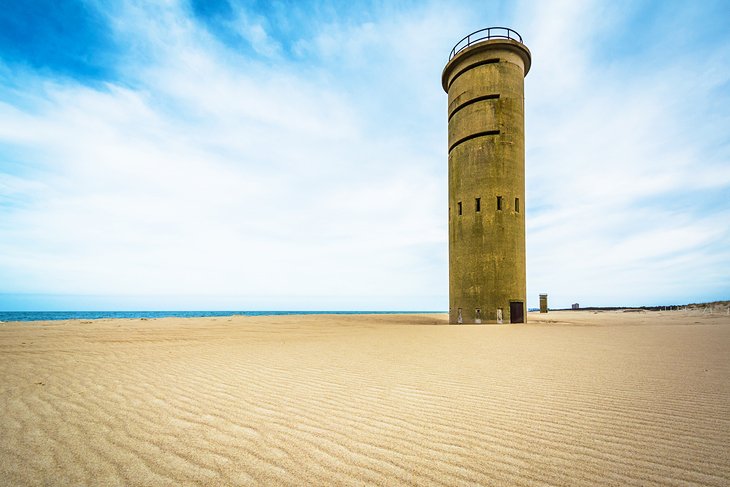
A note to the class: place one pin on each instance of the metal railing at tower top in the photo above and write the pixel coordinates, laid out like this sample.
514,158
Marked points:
483,35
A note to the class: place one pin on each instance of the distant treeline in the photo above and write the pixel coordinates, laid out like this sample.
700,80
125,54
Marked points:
671,307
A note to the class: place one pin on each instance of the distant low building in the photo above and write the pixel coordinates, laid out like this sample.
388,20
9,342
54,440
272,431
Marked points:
575,306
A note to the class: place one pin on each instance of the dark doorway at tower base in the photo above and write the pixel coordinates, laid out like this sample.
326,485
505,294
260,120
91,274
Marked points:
516,312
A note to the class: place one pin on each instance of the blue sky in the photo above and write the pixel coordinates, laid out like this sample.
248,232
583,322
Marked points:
292,155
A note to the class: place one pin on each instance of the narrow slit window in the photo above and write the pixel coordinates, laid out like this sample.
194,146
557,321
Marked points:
459,207
517,205
478,204
499,202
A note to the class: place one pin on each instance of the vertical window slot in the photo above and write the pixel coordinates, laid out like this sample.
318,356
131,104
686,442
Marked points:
517,205
459,207
499,202
478,204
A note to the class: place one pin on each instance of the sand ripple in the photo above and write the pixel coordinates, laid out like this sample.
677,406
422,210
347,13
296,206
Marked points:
366,400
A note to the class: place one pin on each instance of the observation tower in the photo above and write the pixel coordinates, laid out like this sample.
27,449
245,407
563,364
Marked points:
484,79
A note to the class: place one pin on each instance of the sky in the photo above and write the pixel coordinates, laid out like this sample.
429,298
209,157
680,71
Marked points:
245,155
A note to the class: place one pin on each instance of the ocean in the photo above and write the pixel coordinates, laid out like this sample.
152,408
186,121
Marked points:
95,315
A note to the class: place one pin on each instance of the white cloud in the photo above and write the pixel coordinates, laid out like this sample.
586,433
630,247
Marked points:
208,178
611,147
232,182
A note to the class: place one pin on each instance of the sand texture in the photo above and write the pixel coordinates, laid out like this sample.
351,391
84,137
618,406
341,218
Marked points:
571,398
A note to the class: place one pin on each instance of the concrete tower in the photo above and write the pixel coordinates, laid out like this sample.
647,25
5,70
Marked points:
484,79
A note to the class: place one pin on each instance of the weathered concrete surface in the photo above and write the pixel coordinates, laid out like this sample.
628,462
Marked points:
485,86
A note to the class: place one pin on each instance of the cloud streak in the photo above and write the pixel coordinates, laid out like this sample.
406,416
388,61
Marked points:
231,164
616,146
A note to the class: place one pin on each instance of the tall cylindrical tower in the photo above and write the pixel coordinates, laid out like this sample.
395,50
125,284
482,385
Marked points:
484,79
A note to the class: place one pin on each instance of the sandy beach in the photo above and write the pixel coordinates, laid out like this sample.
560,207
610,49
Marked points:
570,398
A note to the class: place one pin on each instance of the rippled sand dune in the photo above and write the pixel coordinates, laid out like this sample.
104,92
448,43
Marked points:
571,398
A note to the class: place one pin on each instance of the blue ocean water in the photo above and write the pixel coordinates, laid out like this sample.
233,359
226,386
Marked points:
95,315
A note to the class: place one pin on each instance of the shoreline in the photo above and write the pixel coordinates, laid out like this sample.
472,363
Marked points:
557,316
150,315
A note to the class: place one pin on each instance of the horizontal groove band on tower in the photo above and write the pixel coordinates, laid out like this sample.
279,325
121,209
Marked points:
473,136
473,100
464,70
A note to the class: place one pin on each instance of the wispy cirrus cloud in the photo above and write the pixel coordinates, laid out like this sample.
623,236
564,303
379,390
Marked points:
229,155
629,170
200,172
